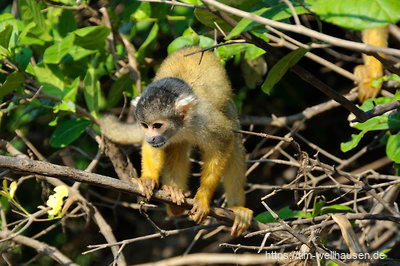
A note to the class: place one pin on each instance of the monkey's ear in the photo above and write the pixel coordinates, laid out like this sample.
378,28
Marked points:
134,101
184,104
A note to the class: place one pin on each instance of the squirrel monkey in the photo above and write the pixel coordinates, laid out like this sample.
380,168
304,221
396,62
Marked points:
372,67
188,104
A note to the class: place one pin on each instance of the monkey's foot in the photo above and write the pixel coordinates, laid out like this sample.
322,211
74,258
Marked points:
243,217
201,208
147,185
177,195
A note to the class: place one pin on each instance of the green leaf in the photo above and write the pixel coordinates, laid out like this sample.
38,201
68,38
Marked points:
187,40
209,19
54,53
370,103
205,41
68,100
6,21
5,204
140,54
92,38
393,148
68,131
357,14
13,189
51,78
375,123
229,51
336,208
24,39
253,52
143,12
346,146
281,67
66,2
382,122
5,186
123,83
179,43
56,201
14,81
277,11
383,253
394,121
91,91
30,12
284,213
23,58
65,51
76,53
5,36
66,23
190,32
318,204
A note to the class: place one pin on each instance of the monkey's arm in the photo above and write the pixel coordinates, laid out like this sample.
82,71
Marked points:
119,132
152,162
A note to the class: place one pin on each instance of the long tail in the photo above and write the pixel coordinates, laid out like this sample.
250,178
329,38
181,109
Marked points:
119,132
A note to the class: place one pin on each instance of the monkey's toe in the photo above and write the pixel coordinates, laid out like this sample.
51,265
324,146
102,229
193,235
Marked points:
147,185
177,195
243,218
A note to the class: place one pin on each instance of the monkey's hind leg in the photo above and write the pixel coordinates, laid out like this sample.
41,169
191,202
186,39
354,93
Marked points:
234,182
175,176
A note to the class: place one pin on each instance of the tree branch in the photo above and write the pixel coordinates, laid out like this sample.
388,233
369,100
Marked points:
300,29
22,165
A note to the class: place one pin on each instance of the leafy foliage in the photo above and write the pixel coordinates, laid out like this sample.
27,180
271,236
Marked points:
357,14
64,63
389,122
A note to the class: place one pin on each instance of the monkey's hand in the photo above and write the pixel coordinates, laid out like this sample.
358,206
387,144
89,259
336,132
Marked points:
243,217
201,208
147,185
177,194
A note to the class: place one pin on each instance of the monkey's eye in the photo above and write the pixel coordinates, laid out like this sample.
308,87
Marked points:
157,125
144,125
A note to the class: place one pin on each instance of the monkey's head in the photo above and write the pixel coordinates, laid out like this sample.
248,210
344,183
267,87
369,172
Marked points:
163,109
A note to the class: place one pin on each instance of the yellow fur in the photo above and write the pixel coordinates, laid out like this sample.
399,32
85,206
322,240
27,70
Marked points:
152,161
208,125
372,67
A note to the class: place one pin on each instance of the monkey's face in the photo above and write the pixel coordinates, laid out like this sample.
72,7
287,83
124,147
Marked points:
156,133
163,109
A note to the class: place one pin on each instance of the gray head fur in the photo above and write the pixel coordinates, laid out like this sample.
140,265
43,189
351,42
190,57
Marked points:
159,98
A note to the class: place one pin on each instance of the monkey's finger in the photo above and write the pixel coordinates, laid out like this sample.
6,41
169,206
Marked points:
146,185
237,226
197,215
175,193
141,187
151,183
180,196
234,228
167,189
